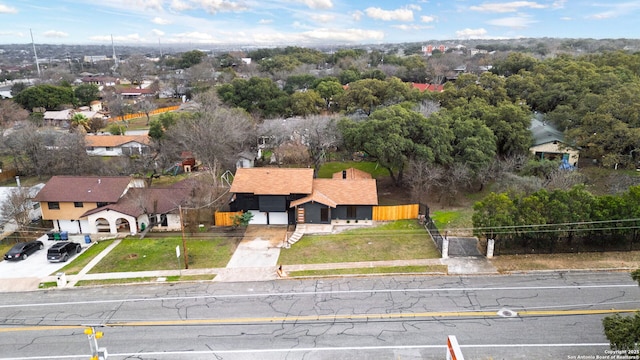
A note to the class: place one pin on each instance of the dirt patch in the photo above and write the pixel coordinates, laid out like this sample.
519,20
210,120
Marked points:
275,234
131,256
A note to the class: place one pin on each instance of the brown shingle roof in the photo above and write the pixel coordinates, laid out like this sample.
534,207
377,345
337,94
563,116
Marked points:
333,192
273,181
84,188
140,201
351,174
114,140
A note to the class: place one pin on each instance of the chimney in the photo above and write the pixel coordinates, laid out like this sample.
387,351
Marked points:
18,180
344,174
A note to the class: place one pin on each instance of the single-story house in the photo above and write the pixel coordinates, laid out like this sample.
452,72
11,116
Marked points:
66,199
117,145
62,118
293,196
549,143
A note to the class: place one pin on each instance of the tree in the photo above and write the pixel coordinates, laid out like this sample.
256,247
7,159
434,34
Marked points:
96,124
45,96
86,93
17,87
79,123
16,206
260,97
136,68
305,103
191,58
623,332
11,113
395,135
329,89
146,106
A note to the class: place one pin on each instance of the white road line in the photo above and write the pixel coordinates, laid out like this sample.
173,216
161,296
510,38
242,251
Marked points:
324,349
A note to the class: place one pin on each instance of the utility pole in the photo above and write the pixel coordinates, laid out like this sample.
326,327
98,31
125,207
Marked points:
93,336
184,241
35,54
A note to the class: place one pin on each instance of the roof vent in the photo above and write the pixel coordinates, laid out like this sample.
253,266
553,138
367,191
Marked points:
99,181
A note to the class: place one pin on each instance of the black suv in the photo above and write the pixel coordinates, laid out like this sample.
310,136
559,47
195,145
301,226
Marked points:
62,251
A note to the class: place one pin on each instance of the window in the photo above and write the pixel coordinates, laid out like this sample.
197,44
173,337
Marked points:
324,214
101,204
351,212
108,148
53,205
78,204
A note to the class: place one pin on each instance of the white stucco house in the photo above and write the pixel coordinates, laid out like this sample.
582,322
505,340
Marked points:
117,145
549,143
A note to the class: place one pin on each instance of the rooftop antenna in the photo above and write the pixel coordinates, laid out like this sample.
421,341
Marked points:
34,52
115,59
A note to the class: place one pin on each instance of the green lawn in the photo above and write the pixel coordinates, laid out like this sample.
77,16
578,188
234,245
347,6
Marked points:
399,240
79,262
134,254
456,222
328,169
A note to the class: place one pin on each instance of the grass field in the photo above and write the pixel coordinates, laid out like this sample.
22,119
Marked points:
399,240
134,254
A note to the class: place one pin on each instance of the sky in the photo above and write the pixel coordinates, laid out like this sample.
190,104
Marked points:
309,22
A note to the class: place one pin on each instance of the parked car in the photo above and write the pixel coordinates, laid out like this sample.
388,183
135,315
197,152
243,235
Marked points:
62,251
21,251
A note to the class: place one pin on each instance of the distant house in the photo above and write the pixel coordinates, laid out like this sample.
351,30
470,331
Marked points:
135,93
100,80
428,87
549,143
117,145
63,118
65,200
293,196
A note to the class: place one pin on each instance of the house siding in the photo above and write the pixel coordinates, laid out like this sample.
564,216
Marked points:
556,150
67,210
312,213
363,212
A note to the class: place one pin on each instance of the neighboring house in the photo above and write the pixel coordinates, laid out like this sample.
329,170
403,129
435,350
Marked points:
246,159
549,144
100,80
117,145
63,118
156,208
66,199
293,196
135,93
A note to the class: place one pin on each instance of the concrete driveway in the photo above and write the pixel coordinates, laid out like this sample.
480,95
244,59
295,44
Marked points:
24,275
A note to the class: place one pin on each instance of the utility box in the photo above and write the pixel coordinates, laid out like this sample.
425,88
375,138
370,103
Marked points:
102,354
61,279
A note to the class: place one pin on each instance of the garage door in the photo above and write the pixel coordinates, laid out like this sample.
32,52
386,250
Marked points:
271,218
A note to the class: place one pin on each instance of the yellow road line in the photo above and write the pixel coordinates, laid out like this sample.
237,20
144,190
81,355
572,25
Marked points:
288,319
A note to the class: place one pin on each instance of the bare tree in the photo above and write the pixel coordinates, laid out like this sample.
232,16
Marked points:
320,134
216,138
16,206
428,107
11,113
424,179
146,106
135,68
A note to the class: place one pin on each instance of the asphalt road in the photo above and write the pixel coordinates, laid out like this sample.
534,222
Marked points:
542,316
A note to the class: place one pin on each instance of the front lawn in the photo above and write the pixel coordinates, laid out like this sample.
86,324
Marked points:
134,254
398,240
328,169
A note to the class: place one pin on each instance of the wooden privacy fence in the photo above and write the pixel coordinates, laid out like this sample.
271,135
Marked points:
225,218
141,114
397,212
7,174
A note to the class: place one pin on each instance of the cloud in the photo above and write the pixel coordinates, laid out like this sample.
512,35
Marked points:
55,34
357,15
4,9
215,6
389,15
148,4
265,21
157,32
616,10
406,27
427,18
322,18
471,33
160,21
179,5
131,38
318,4
345,35
513,6
517,22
